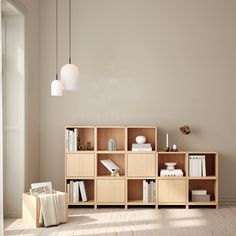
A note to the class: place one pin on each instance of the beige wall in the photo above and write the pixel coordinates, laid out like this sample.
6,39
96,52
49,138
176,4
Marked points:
155,62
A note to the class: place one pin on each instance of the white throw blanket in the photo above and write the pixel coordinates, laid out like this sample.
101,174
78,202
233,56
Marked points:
53,209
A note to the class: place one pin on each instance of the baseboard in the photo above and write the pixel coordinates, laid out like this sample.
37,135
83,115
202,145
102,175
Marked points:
227,200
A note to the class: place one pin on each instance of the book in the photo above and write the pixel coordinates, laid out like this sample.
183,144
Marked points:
68,192
203,165
83,191
110,165
201,198
75,139
141,145
175,172
199,192
74,192
48,185
197,165
39,191
70,139
71,191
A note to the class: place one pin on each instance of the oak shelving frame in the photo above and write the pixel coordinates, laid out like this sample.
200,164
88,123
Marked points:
126,189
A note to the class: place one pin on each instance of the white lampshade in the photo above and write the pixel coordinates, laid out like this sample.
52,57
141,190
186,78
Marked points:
70,77
56,88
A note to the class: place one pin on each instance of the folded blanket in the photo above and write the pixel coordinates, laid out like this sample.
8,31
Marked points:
53,209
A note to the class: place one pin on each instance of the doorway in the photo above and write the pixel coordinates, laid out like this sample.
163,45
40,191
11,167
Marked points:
13,88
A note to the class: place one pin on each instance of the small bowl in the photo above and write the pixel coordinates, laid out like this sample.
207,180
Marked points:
170,165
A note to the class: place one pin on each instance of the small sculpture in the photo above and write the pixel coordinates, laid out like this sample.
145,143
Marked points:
140,139
185,129
111,144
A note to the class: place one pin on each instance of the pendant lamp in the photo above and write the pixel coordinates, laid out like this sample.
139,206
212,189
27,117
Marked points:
70,72
56,85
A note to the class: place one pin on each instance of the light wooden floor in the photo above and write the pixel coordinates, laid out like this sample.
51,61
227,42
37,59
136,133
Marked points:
115,221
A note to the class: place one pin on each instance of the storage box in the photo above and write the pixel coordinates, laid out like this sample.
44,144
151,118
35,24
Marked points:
31,209
201,198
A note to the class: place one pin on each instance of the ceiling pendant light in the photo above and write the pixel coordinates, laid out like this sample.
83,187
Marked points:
56,85
70,72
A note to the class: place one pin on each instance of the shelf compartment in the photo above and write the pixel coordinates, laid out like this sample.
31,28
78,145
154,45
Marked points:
85,136
135,192
89,188
141,165
105,133
207,184
110,191
118,159
80,164
211,162
149,132
178,157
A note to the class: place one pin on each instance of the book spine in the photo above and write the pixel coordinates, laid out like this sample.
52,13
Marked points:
67,140
68,192
83,191
71,191
75,139
204,166
74,192
144,194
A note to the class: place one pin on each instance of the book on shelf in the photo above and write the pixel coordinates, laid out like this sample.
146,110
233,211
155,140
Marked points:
72,140
148,190
76,191
197,166
200,195
175,172
111,166
141,147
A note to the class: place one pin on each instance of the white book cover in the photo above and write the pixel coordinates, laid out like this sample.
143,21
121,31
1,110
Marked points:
71,191
75,139
152,191
199,166
83,191
195,164
74,192
147,191
144,191
68,192
141,149
190,166
199,192
71,134
142,145
67,140
203,166
110,165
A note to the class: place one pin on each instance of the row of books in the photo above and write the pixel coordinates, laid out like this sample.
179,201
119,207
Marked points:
76,191
72,140
200,196
197,165
148,190
143,147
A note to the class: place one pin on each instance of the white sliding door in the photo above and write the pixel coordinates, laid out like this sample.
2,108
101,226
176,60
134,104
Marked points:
13,111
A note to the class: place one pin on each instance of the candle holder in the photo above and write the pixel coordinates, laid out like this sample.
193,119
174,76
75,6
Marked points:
167,149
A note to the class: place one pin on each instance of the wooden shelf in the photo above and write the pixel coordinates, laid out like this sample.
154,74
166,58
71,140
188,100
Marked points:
140,202
136,166
203,178
80,203
202,203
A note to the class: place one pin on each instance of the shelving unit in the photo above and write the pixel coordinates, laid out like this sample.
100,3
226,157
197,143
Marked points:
127,188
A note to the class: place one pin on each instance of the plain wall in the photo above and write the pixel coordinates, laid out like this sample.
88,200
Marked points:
156,62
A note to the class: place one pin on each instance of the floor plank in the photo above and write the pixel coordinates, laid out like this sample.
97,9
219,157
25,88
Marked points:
136,221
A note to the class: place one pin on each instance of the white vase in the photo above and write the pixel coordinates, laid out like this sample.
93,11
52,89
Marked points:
140,139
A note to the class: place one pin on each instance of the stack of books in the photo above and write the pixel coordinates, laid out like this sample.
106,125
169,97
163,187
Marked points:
143,147
72,140
200,196
76,191
197,165
174,172
148,190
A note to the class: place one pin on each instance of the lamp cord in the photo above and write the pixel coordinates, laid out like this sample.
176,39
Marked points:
69,31
56,39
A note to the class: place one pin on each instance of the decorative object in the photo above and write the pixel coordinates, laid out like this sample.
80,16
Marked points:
88,147
167,149
170,165
185,129
70,72
140,139
111,144
56,85
174,148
